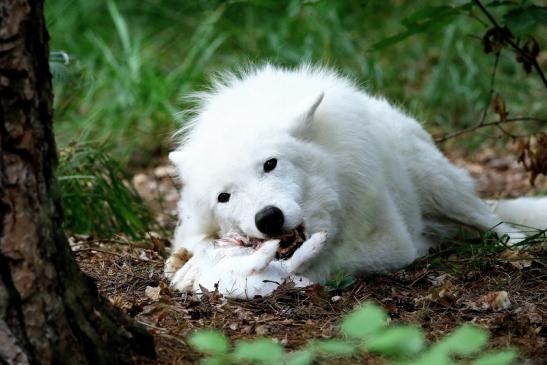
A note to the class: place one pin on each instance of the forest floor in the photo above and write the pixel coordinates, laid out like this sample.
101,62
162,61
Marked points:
501,290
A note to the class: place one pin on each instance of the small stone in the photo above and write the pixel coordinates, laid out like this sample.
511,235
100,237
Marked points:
233,326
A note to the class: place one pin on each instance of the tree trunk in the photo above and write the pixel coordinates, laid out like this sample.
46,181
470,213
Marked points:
49,311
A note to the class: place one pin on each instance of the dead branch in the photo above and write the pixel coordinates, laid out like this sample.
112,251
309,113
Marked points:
512,43
488,124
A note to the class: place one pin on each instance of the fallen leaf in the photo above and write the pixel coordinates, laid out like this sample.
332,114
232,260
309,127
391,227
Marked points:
530,312
497,300
438,280
261,330
518,258
445,294
153,292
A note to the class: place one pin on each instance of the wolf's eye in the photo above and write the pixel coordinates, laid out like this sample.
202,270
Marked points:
270,164
223,197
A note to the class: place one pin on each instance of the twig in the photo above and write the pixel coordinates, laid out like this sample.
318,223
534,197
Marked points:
117,242
506,132
491,92
91,249
488,124
161,332
488,102
477,18
513,45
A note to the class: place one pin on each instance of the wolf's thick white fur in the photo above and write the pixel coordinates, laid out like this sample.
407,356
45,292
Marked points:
349,163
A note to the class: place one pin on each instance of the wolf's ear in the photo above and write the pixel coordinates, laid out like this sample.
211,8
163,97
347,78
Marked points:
305,115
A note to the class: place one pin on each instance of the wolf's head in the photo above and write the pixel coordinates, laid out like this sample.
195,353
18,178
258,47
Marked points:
254,172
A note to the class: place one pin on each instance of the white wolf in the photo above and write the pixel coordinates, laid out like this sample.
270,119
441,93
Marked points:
276,149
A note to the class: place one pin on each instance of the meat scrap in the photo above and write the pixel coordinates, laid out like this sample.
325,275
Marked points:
288,243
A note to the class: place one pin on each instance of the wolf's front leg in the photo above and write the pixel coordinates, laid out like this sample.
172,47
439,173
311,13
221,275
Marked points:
255,262
175,262
183,264
185,277
309,249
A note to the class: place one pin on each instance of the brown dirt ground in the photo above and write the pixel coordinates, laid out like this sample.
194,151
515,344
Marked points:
438,293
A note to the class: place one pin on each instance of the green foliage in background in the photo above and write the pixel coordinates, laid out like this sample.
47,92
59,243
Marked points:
131,62
97,196
363,330
120,67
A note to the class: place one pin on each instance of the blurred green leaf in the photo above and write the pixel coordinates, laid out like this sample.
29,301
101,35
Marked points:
523,20
465,340
430,357
209,341
302,357
428,18
263,350
121,25
364,321
216,360
426,14
332,347
504,357
397,341
497,3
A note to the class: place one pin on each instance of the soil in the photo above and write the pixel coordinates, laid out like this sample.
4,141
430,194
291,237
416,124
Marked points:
501,290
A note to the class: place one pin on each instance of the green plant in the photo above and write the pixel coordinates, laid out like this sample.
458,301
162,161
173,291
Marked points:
118,88
339,282
513,34
477,253
132,61
363,330
98,197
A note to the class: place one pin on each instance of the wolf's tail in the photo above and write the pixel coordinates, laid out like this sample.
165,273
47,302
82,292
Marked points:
530,212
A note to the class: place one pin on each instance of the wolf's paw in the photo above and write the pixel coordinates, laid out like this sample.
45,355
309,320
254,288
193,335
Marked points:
317,240
315,243
175,262
184,278
269,247
263,256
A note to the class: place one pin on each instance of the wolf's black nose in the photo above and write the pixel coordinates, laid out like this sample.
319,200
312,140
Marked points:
269,220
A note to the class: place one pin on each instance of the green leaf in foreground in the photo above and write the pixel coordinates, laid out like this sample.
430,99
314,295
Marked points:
397,341
210,342
505,357
302,357
261,350
364,321
215,360
465,340
332,348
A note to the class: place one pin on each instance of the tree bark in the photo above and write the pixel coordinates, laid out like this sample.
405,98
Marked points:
49,311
